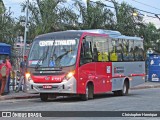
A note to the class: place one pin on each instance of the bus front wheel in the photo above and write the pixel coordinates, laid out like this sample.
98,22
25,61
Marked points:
44,96
88,93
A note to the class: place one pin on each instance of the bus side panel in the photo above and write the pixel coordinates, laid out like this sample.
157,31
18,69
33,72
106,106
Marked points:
86,73
103,77
139,77
135,71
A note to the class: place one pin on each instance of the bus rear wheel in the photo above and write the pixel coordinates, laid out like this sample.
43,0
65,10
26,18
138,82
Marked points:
124,90
89,93
44,96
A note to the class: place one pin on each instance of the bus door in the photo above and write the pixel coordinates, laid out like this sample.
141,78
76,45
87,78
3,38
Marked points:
103,66
87,65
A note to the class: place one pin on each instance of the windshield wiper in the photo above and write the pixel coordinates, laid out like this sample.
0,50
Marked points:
53,55
42,58
60,57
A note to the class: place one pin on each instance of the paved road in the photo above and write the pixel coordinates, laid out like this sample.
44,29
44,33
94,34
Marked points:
143,99
137,100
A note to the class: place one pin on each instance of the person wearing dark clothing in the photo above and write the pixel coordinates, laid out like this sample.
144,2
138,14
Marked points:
23,66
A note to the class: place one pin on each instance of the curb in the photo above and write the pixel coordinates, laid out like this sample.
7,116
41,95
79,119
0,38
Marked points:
38,96
18,97
145,87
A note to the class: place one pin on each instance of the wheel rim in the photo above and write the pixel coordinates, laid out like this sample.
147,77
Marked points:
87,92
124,89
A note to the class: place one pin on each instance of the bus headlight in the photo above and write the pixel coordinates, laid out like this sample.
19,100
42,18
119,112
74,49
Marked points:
28,76
69,75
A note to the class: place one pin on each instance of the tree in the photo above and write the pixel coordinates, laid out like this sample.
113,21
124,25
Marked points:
126,22
6,27
95,15
48,16
150,34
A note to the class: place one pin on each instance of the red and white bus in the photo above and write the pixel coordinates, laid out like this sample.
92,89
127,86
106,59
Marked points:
84,63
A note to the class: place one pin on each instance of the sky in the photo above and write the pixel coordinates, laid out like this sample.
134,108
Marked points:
145,5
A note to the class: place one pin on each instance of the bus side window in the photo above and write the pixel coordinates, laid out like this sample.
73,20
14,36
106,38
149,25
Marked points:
131,51
113,51
120,50
86,53
113,56
139,51
131,55
95,53
101,44
82,54
125,50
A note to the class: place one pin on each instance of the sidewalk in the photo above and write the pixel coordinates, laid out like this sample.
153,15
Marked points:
22,95
147,85
18,95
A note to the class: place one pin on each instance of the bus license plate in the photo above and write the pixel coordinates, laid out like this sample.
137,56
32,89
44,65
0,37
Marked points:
47,86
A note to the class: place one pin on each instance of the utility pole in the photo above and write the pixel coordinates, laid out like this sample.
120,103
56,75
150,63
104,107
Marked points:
25,37
26,29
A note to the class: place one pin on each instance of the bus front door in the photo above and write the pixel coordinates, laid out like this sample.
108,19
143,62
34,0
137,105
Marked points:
103,77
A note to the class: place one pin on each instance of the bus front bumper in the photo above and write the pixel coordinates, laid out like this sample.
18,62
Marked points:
63,87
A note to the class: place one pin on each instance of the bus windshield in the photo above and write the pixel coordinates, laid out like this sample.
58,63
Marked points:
53,53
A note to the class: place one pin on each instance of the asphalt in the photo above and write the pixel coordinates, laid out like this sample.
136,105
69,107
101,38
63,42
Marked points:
23,95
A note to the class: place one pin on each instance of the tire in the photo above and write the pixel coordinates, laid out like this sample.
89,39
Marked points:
44,96
124,90
88,93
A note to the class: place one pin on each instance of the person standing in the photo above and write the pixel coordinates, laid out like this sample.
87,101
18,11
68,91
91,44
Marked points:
23,67
9,69
3,77
6,68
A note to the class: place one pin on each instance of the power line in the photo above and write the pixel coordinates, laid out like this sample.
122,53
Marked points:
103,4
136,8
146,11
155,15
146,4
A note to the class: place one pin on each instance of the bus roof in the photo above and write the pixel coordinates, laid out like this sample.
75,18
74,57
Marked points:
100,31
59,34
112,34
126,37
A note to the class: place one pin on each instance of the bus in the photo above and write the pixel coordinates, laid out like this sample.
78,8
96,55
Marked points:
84,63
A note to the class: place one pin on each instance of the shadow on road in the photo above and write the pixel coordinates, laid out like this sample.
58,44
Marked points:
66,99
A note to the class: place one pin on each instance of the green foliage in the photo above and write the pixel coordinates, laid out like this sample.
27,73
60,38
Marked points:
54,15
95,15
7,28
